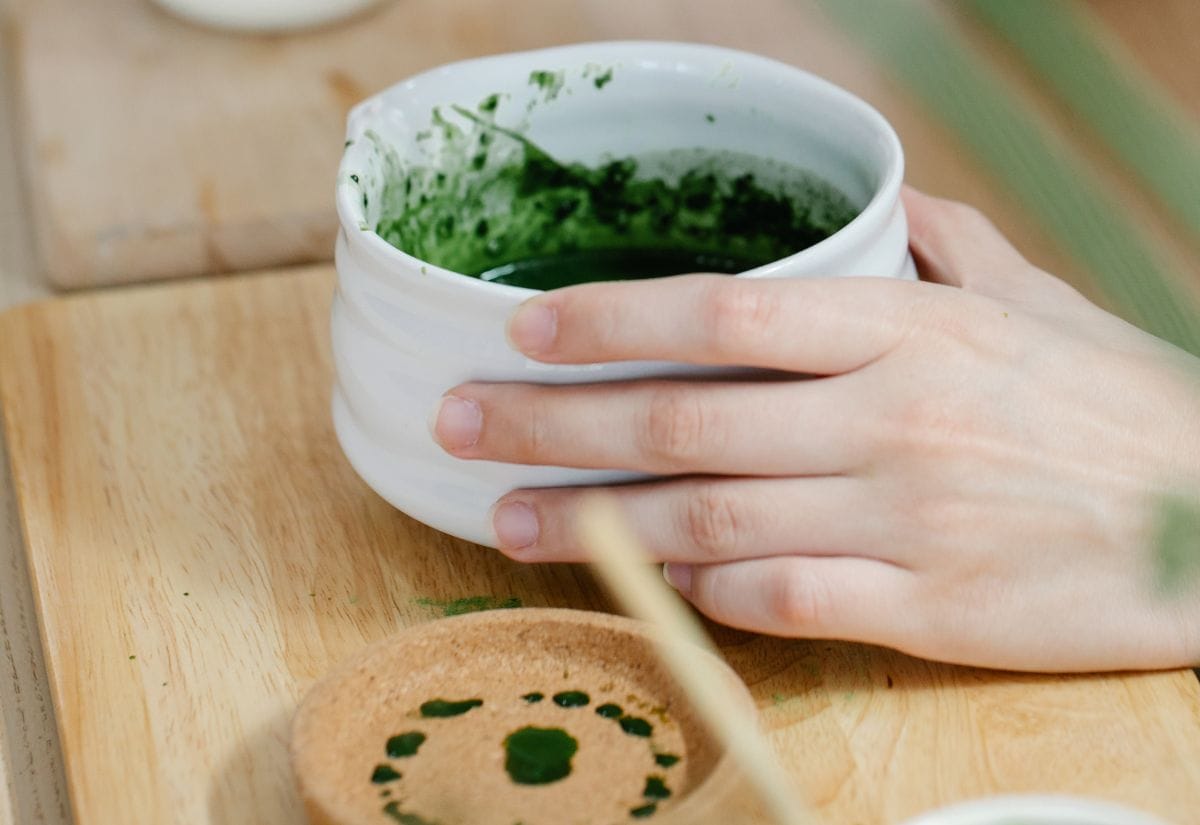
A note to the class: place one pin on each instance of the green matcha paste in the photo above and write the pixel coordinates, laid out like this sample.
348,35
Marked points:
496,206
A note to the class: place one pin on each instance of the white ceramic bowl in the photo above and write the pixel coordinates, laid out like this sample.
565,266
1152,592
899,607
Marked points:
405,331
1035,810
264,15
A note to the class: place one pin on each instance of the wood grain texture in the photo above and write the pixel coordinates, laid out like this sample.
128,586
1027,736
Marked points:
32,786
185,503
156,149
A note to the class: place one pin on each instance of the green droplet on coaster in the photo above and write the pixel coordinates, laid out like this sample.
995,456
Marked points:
644,811
531,698
666,760
571,699
392,809
440,708
609,711
384,773
539,756
656,788
635,726
405,744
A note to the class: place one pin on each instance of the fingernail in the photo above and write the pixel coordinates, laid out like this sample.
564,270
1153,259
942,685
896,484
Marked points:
516,525
533,328
459,422
679,576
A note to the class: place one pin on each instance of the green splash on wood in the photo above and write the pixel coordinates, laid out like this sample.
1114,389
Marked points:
470,604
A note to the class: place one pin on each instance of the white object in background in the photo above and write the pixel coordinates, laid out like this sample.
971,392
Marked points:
405,331
1035,810
264,15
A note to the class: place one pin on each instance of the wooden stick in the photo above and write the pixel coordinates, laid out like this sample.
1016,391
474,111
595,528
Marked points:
617,556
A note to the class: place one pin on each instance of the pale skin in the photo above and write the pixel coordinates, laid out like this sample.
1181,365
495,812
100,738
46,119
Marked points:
975,477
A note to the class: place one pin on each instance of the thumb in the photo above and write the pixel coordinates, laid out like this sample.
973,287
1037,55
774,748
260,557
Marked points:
957,245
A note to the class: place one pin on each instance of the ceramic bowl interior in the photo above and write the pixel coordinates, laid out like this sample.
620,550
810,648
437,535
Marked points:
593,677
596,102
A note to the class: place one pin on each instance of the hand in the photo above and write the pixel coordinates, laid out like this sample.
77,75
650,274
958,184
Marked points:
978,477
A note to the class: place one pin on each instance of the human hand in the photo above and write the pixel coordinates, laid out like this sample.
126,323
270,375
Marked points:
977,477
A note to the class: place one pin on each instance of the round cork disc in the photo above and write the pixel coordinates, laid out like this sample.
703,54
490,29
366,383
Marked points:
367,748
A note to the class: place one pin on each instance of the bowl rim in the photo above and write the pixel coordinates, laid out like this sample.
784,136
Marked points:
266,18
1058,808
720,783
866,223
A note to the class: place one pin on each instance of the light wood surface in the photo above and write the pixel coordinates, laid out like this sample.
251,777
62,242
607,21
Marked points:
156,149
185,503
942,701
32,790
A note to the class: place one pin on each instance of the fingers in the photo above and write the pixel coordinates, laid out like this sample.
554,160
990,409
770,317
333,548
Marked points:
955,244
701,520
662,427
819,326
849,598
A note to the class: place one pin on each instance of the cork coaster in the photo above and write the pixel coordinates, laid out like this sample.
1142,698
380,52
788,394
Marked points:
533,716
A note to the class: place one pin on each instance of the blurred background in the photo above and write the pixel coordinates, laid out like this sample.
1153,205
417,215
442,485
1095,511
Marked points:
136,146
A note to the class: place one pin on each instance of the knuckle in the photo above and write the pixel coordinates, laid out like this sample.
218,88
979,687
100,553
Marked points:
941,518
903,431
607,326
713,522
537,434
739,313
933,427
934,516
673,434
799,602
935,322
921,417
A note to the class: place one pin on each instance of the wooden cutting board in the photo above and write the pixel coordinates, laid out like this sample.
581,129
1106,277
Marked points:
201,552
156,149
